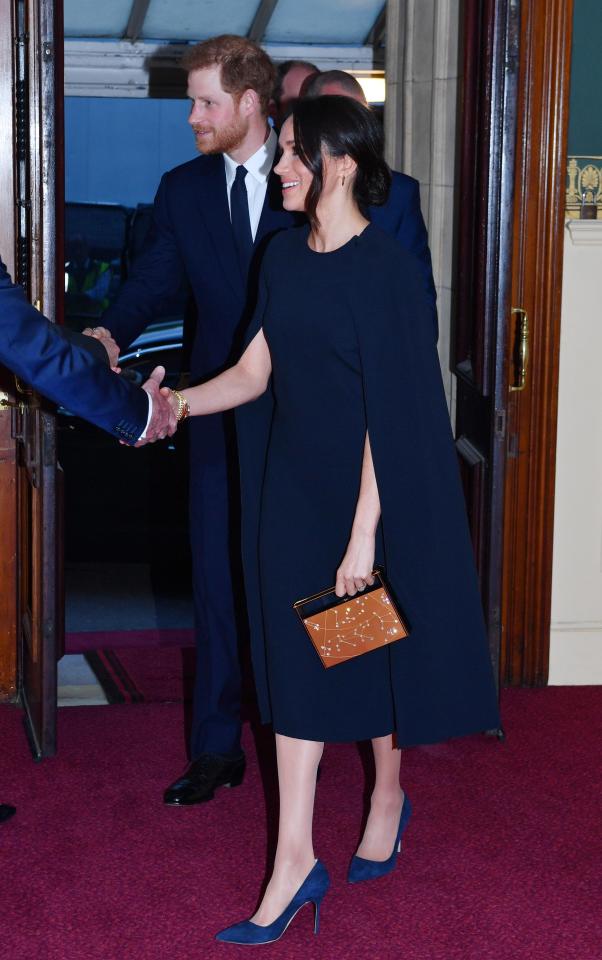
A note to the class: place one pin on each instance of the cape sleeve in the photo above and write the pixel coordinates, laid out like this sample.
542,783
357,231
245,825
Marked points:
441,674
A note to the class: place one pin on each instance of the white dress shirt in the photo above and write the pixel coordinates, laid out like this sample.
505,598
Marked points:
149,417
256,180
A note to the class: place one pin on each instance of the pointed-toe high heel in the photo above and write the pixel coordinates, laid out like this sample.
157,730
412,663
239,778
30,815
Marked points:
360,869
312,890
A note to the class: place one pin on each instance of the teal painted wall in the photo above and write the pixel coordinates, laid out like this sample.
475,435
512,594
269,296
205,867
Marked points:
585,119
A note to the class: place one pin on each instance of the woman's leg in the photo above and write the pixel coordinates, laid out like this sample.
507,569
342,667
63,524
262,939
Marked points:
297,769
385,804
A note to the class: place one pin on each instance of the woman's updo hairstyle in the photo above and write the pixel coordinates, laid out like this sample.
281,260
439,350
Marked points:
341,127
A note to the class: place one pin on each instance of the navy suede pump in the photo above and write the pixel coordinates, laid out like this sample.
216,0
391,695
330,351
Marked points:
360,869
312,890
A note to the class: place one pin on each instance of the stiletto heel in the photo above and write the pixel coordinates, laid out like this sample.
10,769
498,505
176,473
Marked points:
312,890
317,905
360,869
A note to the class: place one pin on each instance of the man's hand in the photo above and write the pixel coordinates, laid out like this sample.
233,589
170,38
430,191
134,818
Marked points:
163,422
112,348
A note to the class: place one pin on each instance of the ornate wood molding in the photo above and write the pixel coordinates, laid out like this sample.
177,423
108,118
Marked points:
8,561
539,212
8,474
483,272
584,186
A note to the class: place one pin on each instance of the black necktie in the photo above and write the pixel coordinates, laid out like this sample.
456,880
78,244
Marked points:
241,222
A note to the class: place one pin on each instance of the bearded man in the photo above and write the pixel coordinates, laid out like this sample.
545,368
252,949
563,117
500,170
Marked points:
212,219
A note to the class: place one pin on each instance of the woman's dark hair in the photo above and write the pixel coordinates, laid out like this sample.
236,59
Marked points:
341,126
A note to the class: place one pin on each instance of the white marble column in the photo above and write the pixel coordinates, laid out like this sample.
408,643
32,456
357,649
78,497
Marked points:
421,127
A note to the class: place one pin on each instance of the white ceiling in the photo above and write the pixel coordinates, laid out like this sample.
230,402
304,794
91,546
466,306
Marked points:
338,22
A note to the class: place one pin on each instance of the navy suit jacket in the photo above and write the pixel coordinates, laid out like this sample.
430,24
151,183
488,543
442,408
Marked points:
401,216
191,236
42,356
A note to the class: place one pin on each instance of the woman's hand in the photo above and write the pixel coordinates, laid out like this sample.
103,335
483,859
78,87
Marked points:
355,571
171,399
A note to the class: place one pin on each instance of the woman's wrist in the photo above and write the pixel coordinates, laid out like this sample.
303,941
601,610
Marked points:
183,407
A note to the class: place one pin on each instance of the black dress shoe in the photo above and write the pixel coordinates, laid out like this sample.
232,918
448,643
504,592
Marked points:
203,777
6,812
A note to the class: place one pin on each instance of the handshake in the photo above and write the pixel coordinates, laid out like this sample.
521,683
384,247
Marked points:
167,408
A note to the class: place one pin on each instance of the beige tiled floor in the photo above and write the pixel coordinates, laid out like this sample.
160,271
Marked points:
77,685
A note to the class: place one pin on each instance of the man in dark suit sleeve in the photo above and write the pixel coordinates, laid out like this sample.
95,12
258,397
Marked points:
401,215
212,219
73,370
44,356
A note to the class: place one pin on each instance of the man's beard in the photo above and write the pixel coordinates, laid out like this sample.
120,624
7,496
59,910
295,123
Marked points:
222,140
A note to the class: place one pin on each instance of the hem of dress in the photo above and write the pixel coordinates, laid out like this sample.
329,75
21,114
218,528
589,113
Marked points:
474,729
318,738
403,742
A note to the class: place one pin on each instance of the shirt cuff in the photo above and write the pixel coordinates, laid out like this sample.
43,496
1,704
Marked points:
148,419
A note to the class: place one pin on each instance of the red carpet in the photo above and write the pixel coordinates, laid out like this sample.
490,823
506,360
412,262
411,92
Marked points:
501,860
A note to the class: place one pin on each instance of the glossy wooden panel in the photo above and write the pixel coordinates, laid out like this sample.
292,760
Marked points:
8,486
8,564
37,461
536,287
488,111
7,193
38,584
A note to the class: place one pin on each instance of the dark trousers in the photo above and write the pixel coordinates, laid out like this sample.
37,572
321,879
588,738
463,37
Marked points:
217,585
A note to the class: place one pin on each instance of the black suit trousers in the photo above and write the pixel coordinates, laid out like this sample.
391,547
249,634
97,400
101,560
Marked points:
220,620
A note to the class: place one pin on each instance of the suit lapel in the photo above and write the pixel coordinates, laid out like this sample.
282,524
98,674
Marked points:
213,203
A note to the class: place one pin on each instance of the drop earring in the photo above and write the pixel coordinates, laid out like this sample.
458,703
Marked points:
343,180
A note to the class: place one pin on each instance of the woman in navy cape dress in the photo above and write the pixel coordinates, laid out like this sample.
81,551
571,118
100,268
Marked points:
353,350
347,459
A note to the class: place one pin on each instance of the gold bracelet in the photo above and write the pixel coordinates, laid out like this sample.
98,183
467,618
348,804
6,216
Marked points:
183,405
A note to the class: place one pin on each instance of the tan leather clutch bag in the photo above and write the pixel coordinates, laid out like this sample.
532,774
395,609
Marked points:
344,627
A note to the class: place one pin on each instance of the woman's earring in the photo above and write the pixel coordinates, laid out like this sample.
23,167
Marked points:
343,180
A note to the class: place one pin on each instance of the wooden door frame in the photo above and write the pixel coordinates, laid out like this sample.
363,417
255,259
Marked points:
8,447
39,599
31,53
539,216
490,33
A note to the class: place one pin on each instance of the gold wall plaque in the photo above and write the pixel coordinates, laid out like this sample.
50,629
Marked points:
584,185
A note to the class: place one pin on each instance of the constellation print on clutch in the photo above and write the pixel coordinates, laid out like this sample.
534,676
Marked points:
354,626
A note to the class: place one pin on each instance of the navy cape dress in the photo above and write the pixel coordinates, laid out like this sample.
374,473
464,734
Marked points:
353,350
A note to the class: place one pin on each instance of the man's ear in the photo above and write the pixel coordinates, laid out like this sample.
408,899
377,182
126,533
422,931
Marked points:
249,102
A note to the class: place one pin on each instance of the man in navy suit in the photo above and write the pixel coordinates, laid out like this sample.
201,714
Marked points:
38,352
212,220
